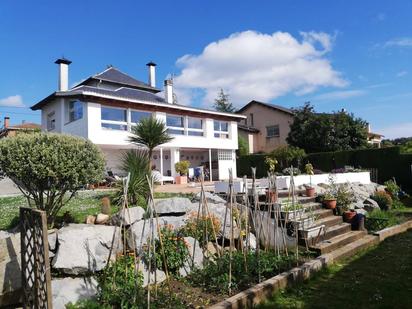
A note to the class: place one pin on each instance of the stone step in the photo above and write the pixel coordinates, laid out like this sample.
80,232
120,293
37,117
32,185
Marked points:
329,221
300,199
336,242
354,247
329,232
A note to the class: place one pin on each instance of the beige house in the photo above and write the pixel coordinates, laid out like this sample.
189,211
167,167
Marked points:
266,126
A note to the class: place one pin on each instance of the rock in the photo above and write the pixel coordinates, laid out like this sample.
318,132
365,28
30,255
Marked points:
106,209
358,205
157,277
68,290
5,234
128,216
90,219
102,219
252,241
84,248
370,204
210,198
380,188
211,249
175,205
361,211
52,240
10,270
194,251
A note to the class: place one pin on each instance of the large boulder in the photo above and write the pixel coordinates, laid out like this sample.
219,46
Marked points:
210,198
128,216
370,204
66,290
84,248
195,259
10,270
175,205
155,277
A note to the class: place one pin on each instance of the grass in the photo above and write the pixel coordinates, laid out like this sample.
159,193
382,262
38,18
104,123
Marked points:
378,278
79,207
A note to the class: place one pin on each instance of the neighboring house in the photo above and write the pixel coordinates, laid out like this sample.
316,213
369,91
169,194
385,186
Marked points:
9,130
266,126
374,139
105,106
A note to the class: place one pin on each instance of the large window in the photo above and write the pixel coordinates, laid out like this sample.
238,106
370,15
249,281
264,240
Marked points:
194,126
272,131
221,129
136,116
75,110
114,118
175,124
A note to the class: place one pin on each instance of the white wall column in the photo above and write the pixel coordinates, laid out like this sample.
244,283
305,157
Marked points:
161,164
210,165
174,158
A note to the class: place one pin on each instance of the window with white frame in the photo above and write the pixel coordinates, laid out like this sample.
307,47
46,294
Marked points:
272,131
75,110
114,118
175,124
51,121
225,155
194,126
137,116
221,129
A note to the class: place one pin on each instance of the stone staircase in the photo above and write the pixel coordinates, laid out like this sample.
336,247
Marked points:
335,233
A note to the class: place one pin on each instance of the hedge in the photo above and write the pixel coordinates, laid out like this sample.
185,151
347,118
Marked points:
389,162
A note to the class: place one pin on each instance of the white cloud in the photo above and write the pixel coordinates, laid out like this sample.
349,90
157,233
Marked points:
12,101
399,42
402,73
251,65
339,95
397,130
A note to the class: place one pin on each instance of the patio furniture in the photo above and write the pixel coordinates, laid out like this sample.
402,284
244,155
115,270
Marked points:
160,178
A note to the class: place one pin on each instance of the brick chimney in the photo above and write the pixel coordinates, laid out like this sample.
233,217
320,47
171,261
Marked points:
6,122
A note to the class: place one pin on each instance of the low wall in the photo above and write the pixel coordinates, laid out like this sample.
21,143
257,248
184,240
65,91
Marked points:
283,182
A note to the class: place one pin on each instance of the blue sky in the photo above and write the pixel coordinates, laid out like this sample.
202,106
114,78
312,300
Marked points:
355,55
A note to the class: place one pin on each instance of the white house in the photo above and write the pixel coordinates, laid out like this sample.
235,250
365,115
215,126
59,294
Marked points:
105,106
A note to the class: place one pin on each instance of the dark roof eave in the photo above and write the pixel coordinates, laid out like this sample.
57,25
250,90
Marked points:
142,87
279,108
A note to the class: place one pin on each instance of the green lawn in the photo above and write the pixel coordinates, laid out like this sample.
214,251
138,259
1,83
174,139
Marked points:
83,204
378,278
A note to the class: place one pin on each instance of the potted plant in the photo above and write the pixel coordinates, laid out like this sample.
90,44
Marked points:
344,198
329,200
271,194
310,190
182,168
289,212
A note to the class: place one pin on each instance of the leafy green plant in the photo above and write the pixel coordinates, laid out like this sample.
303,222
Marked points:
171,251
393,188
287,171
182,167
243,146
290,207
50,168
383,199
200,226
271,163
387,218
245,270
344,198
288,155
136,162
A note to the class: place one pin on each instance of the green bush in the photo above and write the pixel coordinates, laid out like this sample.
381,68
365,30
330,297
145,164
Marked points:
182,167
383,199
243,148
287,156
392,188
390,219
50,168
171,253
198,228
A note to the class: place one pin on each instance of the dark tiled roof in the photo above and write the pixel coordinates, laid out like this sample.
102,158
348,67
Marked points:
273,106
113,75
247,128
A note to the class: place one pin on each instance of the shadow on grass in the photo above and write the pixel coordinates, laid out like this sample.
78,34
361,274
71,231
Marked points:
378,278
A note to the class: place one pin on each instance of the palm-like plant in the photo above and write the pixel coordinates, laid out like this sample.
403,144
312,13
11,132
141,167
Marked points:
150,132
136,162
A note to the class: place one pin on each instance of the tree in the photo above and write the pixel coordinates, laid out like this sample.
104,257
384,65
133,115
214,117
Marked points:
222,103
288,155
243,149
316,132
50,168
150,133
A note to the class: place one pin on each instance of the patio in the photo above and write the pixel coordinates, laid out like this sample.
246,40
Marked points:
193,187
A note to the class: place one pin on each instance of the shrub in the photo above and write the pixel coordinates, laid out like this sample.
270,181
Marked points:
287,155
47,166
392,188
173,249
199,227
182,167
383,199
288,170
243,149
344,198
389,218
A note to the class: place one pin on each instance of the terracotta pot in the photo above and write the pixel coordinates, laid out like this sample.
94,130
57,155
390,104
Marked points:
271,196
310,192
348,216
329,204
181,180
